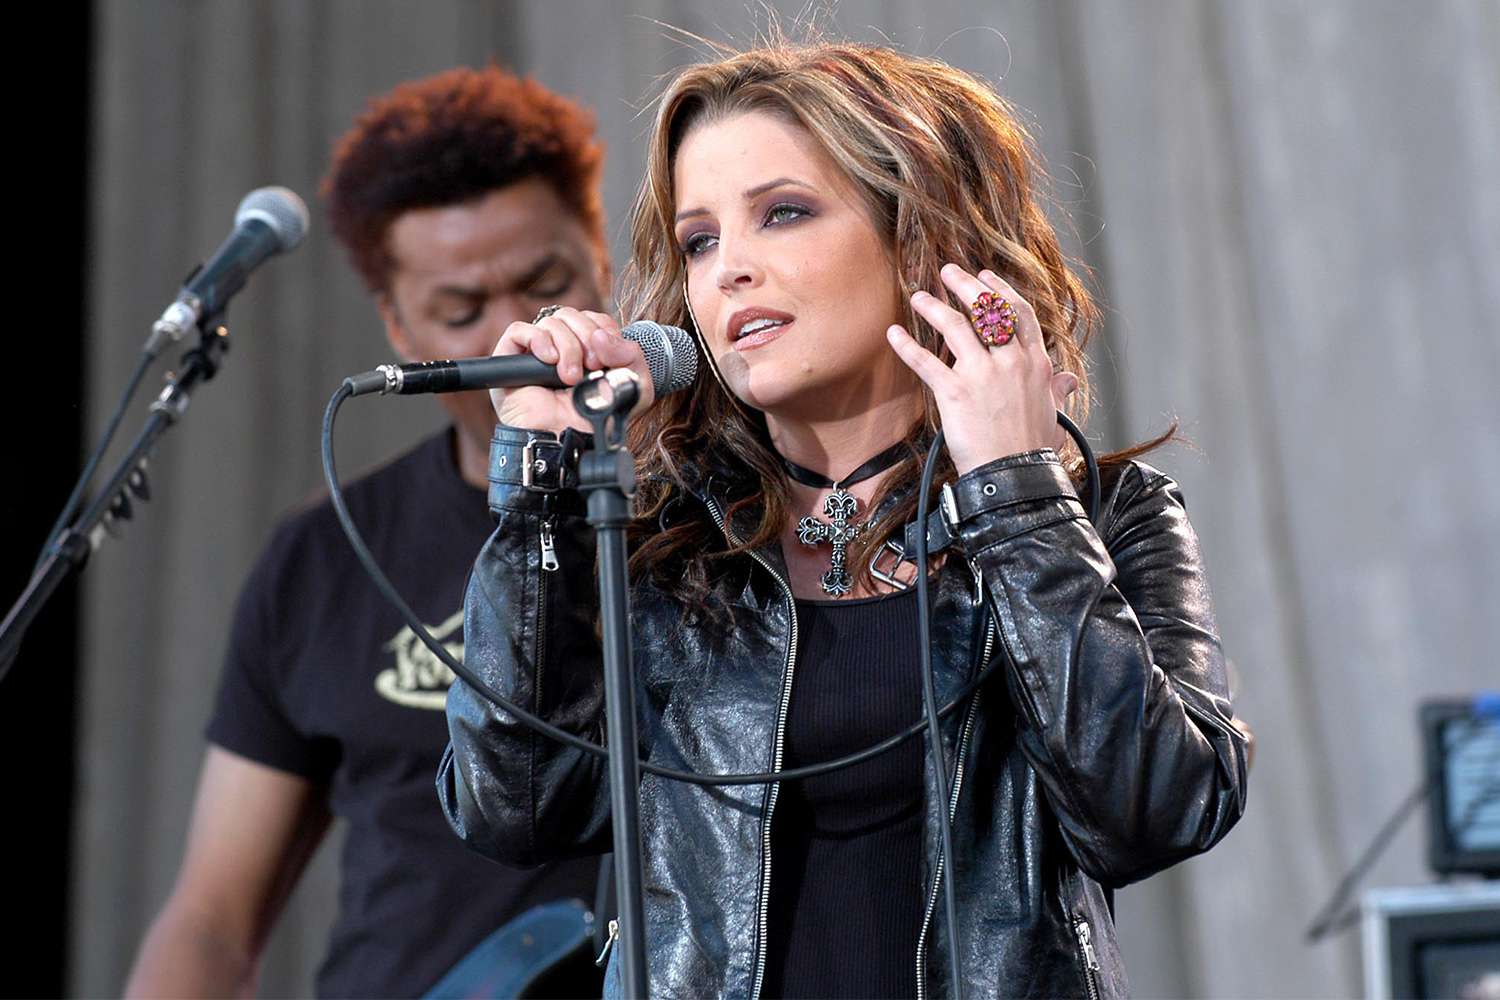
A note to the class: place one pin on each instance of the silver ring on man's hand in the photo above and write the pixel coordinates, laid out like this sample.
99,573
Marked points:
544,312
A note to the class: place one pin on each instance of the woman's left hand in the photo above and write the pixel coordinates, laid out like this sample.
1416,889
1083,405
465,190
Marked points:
994,401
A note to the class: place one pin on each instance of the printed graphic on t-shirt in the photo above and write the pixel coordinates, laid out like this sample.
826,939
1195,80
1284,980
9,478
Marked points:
419,679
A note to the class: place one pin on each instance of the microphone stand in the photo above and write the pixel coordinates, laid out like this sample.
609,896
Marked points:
112,504
606,475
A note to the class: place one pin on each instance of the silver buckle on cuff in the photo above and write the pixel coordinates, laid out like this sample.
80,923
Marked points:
533,467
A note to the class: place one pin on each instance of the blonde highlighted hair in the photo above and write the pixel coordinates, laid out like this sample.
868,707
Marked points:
947,173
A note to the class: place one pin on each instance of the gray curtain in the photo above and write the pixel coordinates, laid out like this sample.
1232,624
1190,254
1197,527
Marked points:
1293,218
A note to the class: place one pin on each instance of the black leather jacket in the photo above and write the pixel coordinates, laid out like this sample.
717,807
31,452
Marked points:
1099,752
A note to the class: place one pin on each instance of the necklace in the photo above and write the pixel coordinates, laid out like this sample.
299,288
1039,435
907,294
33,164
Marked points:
840,508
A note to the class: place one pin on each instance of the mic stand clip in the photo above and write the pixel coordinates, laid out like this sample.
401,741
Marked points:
112,504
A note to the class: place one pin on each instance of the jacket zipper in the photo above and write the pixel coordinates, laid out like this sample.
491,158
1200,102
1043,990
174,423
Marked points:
958,781
549,563
764,904
549,549
1086,955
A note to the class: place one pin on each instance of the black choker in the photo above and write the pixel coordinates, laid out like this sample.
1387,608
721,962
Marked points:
840,508
873,467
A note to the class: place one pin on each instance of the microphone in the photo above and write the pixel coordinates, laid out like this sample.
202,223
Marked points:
268,221
670,355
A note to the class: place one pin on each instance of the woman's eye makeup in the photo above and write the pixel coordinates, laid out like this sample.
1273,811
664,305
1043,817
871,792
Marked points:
696,243
778,214
785,211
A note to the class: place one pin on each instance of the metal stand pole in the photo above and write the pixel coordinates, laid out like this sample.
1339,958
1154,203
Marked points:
606,475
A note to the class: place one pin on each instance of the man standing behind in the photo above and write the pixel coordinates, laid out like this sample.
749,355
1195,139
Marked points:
466,200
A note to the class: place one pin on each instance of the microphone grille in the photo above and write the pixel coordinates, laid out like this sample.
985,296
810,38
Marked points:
279,208
670,354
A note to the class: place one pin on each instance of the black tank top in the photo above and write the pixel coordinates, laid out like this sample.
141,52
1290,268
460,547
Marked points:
846,848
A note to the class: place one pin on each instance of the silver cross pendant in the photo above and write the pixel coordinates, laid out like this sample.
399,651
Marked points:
840,507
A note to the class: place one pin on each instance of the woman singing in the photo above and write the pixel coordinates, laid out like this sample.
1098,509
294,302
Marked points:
853,236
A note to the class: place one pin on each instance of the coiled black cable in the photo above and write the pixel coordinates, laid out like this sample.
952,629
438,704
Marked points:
419,628
929,722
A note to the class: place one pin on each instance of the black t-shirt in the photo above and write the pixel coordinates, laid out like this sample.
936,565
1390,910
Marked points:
324,680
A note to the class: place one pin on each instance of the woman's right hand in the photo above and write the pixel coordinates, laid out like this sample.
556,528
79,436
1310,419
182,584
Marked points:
576,341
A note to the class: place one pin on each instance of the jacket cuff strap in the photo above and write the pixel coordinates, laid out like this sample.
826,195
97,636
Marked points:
1015,479
1031,475
528,466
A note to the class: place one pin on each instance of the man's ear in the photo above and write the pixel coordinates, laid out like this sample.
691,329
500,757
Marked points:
395,332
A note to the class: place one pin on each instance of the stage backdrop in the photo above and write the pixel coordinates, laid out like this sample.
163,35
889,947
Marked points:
1294,220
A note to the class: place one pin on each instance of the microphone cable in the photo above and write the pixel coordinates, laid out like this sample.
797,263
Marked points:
929,703
929,722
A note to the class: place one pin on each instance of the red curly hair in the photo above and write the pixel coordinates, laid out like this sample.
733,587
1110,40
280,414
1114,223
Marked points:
448,138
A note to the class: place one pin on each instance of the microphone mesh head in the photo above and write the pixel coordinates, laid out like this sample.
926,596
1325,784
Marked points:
670,354
279,208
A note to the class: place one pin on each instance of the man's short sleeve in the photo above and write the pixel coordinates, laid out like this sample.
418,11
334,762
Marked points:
251,717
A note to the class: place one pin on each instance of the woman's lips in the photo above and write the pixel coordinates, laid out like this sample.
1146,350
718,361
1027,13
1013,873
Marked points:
761,337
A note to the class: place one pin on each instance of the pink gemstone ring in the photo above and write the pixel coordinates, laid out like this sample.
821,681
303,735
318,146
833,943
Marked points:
994,319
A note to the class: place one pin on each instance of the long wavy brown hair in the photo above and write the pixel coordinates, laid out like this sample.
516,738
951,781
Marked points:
947,173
